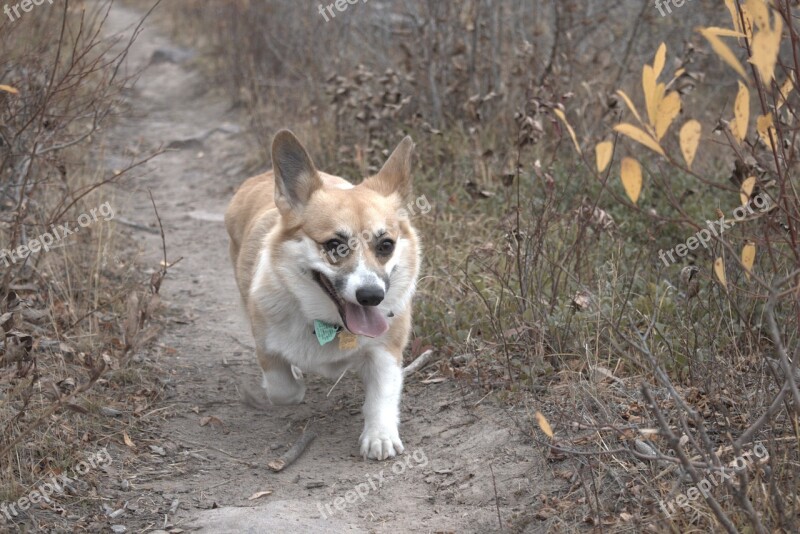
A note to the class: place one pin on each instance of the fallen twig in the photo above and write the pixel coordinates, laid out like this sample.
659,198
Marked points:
421,361
289,457
136,225
206,446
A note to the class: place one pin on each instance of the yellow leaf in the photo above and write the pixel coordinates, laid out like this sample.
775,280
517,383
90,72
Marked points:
603,152
786,88
765,47
759,12
764,128
544,425
719,270
748,257
660,60
650,97
737,21
661,90
668,109
722,32
8,89
630,105
722,50
690,139
741,113
734,14
631,174
560,115
747,189
747,31
640,136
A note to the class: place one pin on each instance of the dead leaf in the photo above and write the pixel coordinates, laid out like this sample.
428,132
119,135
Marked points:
719,270
690,139
640,136
210,419
766,42
668,108
603,153
747,189
741,113
630,105
723,51
631,175
544,424
748,257
766,129
560,115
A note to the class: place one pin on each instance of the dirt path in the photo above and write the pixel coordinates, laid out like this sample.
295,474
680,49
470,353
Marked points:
206,474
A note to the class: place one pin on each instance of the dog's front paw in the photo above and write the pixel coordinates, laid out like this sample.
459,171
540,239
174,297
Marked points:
380,443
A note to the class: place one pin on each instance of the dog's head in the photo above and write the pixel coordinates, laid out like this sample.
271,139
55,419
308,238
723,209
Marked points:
349,254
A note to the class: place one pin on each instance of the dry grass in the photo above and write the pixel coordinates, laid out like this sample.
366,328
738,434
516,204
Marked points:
66,325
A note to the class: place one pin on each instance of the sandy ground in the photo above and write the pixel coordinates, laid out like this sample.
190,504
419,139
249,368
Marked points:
466,463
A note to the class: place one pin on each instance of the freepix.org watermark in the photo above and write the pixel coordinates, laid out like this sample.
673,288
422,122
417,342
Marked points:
715,228
57,233
55,484
25,5
374,482
663,5
340,5
704,487
419,205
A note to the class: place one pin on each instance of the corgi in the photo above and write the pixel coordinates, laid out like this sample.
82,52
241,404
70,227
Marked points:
327,272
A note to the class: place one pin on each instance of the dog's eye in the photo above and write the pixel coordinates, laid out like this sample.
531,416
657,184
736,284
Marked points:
332,244
385,247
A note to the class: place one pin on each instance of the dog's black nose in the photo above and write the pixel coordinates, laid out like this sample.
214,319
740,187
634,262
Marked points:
370,296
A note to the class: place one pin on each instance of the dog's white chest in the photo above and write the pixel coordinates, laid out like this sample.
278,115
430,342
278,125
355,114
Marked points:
298,344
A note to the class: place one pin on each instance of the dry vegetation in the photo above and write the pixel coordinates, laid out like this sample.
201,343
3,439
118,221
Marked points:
543,282
72,312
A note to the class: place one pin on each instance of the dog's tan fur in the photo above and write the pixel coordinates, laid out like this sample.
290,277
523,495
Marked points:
274,221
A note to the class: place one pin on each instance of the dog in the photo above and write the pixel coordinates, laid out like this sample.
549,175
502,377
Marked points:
327,272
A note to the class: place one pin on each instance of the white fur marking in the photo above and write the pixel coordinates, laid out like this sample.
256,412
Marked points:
361,277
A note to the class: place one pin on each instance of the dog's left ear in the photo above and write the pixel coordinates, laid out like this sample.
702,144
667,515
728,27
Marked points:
395,175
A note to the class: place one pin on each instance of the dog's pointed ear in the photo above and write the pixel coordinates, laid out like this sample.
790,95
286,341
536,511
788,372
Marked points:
296,178
395,175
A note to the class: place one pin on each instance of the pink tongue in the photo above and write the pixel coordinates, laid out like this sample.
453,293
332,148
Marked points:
364,320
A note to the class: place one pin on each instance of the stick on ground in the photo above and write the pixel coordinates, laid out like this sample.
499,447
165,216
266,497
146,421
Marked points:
421,361
294,453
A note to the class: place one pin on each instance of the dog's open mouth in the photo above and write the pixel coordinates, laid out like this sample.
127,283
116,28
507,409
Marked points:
361,320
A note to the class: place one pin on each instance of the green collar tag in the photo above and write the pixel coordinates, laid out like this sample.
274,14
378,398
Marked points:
325,332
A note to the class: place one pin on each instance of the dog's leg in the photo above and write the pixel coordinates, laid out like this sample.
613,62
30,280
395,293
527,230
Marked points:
281,384
383,382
